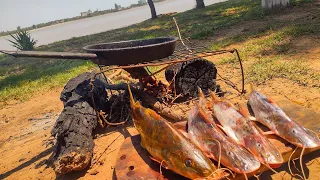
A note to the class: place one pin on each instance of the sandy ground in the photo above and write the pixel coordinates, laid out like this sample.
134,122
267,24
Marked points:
26,145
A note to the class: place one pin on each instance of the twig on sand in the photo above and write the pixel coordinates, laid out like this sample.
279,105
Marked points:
105,150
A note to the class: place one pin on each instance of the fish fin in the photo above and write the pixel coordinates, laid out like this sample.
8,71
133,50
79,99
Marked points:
184,133
142,145
208,119
244,111
202,99
221,127
209,105
214,97
258,128
251,88
252,118
271,101
132,102
181,125
268,133
163,163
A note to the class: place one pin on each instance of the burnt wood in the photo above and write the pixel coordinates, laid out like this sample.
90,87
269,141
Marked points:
74,126
187,76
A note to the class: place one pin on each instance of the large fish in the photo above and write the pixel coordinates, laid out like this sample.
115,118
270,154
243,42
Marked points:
204,133
236,124
268,113
168,146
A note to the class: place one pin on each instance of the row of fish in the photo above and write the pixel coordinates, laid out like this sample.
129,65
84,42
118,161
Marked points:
235,142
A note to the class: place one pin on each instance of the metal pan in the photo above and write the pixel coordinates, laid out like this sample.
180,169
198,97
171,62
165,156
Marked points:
115,53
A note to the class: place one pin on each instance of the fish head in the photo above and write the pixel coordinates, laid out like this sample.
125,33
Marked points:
255,98
202,99
262,148
214,97
240,160
298,135
192,163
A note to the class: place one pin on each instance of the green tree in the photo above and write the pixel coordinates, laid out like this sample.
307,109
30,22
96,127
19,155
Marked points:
200,4
142,2
116,6
22,40
153,9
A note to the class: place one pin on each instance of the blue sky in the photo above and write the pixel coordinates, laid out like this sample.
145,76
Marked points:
25,13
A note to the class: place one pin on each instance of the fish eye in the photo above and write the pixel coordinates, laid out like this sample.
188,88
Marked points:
229,153
293,131
188,162
259,145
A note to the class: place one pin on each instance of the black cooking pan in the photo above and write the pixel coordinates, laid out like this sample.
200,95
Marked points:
115,53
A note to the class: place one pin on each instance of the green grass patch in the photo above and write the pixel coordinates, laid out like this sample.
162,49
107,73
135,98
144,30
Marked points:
21,86
269,68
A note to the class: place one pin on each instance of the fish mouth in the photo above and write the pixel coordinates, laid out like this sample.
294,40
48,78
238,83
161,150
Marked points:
314,145
275,165
248,168
242,171
308,146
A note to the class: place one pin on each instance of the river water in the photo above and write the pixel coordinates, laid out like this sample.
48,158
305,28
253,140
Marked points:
103,23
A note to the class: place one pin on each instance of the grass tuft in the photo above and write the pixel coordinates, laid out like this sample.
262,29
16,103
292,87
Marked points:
295,70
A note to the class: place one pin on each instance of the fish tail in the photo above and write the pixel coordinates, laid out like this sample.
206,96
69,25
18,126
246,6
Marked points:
251,88
215,98
192,113
132,102
243,110
202,99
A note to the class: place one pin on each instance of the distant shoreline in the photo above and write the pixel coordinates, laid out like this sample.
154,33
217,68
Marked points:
60,21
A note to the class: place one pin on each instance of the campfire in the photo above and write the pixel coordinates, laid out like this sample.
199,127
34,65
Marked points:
185,71
93,100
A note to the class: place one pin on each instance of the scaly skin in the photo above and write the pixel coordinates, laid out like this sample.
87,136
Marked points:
167,145
245,133
204,133
268,113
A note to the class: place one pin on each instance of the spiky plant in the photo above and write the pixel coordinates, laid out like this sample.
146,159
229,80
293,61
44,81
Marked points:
22,40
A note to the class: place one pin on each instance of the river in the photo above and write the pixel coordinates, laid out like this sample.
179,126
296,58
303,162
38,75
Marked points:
92,25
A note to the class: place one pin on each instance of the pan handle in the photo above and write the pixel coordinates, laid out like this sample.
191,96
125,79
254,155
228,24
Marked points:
55,55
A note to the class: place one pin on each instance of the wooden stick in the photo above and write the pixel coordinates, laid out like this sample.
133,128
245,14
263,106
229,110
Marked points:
150,101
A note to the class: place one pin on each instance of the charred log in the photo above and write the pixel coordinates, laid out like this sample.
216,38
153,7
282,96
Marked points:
73,128
187,76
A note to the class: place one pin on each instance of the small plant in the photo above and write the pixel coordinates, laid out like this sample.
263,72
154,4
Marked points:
22,40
